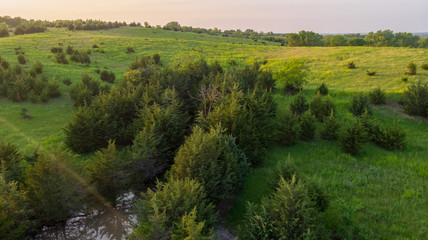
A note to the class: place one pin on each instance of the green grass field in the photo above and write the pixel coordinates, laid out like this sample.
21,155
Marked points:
384,192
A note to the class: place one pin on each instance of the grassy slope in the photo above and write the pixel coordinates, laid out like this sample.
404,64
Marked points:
385,192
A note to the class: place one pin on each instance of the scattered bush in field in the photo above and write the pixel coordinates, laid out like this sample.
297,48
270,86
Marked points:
289,213
359,104
107,174
292,75
129,50
377,96
307,126
81,57
67,81
51,190
370,72
156,59
214,160
424,66
10,163
53,88
4,64
69,50
60,58
38,67
161,213
288,129
25,115
56,49
415,99
322,89
411,69
353,138
389,138
330,128
351,65
321,107
82,93
299,105
95,46
107,76
404,79
21,59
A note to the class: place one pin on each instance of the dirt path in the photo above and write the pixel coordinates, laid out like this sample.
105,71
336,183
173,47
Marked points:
222,232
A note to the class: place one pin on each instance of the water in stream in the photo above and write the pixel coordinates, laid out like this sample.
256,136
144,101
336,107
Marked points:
107,224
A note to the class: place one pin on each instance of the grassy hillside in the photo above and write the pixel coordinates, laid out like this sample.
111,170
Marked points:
384,192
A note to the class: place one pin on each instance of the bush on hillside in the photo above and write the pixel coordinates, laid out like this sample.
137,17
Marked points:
299,105
307,126
377,96
330,128
389,138
359,104
38,67
21,59
56,49
107,76
321,107
322,89
353,138
60,58
411,69
288,129
351,65
415,99
292,75
370,72
424,66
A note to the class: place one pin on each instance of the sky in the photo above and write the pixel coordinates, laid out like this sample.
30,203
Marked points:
279,16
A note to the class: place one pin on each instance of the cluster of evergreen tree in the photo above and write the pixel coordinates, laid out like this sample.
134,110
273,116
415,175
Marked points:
19,85
30,27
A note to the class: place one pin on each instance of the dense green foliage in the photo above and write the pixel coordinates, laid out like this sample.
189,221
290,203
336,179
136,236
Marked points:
291,75
415,99
354,136
330,128
214,160
359,104
288,128
164,213
289,213
321,107
307,126
377,96
299,105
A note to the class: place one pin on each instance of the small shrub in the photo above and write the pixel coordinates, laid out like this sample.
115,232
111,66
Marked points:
38,67
330,128
321,107
288,129
69,50
67,81
307,126
21,59
389,137
415,99
56,49
107,76
95,46
404,79
360,104
424,66
129,50
377,96
351,65
156,59
370,72
44,96
322,89
299,105
411,69
53,88
60,58
353,138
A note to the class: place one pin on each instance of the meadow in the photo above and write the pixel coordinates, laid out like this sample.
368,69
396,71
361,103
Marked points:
380,194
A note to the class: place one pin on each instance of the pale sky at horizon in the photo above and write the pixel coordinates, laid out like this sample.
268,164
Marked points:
322,16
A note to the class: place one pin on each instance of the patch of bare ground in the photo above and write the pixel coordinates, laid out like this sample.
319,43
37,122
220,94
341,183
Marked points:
222,232
399,109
